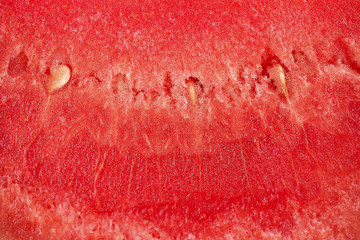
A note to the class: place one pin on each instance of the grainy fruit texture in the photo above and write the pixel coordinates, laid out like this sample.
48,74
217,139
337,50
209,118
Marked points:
179,119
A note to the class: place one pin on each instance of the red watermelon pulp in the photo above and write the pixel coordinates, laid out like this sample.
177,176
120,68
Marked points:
179,119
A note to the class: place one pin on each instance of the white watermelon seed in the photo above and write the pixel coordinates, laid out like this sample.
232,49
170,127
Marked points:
59,76
192,92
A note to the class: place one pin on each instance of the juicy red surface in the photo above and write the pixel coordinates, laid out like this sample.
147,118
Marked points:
127,154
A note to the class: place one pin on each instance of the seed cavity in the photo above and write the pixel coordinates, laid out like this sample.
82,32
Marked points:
168,85
350,49
59,76
18,64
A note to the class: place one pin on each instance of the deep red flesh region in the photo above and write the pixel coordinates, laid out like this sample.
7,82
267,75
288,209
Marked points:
175,123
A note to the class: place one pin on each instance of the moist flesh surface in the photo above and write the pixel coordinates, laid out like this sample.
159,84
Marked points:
181,120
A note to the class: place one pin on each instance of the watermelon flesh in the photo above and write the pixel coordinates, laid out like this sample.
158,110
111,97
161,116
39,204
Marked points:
181,120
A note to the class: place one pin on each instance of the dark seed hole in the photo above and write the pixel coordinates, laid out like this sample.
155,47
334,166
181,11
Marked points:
47,71
168,85
348,56
18,64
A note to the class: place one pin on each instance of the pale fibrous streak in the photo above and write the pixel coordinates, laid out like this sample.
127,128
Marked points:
59,76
